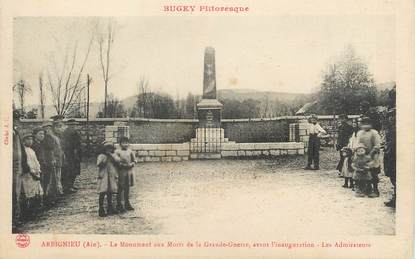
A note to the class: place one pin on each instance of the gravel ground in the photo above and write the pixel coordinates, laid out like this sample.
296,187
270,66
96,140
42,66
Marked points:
231,197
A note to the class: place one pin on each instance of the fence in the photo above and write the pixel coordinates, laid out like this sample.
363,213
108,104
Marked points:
208,140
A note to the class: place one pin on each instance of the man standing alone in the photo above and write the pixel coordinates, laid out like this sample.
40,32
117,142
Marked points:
315,131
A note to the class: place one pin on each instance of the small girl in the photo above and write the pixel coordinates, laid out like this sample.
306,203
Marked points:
361,166
107,163
125,174
32,188
347,170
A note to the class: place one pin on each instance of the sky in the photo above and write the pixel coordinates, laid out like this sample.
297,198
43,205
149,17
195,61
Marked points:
272,53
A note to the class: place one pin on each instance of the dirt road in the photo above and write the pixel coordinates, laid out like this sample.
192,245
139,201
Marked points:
231,197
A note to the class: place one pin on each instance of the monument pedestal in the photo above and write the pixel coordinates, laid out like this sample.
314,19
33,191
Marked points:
209,134
209,112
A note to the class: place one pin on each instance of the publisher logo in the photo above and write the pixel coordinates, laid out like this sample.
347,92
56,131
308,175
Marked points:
22,240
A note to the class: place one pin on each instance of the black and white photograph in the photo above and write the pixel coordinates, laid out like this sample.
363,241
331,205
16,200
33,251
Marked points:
180,125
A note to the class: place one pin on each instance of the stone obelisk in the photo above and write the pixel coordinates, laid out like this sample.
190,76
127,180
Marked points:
209,108
209,135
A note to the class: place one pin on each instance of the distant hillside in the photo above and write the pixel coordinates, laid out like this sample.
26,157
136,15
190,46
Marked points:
243,94
236,94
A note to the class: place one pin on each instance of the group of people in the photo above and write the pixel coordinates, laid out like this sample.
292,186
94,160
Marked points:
115,176
46,163
359,145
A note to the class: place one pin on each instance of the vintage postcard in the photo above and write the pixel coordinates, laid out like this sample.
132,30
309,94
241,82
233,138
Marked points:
186,129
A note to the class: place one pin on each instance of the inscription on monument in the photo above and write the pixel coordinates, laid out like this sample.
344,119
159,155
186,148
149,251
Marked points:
209,118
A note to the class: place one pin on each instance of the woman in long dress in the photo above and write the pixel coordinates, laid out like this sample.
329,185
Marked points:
31,187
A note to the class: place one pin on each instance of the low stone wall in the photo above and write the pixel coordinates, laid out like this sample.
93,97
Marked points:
181,152
161,152
241,150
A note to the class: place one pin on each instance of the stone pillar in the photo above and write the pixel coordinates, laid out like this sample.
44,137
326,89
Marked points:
119,129
209,109
209,134
299,132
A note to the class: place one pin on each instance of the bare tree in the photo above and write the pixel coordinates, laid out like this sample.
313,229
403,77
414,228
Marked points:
65,84
42,96
190,106
115,108
265,106
105,42
143,97
21,88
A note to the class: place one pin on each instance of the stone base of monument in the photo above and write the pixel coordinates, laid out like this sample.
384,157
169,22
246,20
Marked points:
207,143
205,156
209,113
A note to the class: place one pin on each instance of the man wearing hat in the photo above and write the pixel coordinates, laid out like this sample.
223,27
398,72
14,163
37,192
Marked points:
315,131
54,159
71,143
345,131
371,112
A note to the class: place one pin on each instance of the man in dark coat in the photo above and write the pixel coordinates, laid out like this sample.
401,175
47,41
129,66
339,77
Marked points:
371,112
345,131
54,158
389,158
17,173
71,140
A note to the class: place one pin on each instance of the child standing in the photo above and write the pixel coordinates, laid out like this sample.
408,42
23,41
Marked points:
347,170
361,167
125,174
107,163
370,138
32,188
